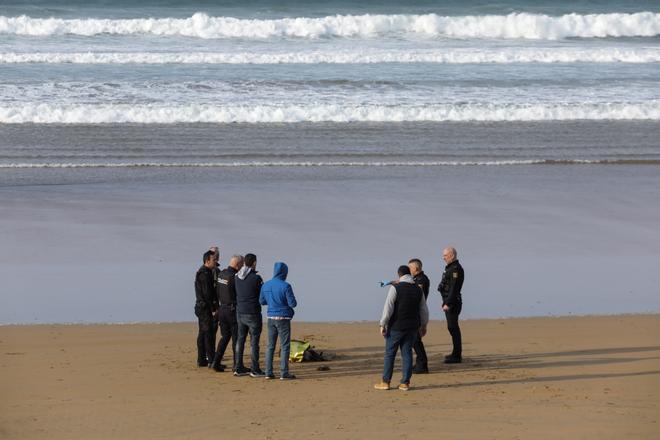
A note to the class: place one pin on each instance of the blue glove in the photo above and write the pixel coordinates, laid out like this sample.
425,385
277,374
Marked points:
385,283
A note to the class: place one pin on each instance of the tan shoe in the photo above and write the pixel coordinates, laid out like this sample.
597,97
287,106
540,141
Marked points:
404,387
382,386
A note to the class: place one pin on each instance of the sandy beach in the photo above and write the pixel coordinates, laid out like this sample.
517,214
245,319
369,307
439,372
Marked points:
569,377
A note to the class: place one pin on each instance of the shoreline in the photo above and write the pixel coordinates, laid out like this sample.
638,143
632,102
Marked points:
363,321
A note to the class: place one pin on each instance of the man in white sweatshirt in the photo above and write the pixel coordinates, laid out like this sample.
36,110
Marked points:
404,319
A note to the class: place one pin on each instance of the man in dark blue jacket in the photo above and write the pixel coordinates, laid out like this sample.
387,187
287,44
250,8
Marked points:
278,295
248,286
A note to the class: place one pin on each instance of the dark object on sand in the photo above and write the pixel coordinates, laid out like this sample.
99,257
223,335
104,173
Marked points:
311,355
323,368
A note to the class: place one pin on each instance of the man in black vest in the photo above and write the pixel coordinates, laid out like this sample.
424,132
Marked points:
421,366
404,318
248,288
227,312
206,306
452,302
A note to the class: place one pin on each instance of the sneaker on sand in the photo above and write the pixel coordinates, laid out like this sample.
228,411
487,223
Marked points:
257,373
241,372
382,386
269,376
404,386
288,377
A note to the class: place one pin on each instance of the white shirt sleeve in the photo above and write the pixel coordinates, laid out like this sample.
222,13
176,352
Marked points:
388,308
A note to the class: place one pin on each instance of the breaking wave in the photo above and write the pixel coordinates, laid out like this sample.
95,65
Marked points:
248,164
151,114
503,56
200,25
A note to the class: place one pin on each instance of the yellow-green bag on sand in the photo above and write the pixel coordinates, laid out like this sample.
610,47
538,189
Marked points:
297,350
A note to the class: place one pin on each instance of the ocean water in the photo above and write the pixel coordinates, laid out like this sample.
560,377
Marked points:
544,115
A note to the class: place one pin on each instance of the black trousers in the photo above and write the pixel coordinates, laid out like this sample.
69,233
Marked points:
454,329
214,330
422,361
228,332
205,348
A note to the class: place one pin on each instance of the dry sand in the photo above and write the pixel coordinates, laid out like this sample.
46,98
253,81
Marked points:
574,377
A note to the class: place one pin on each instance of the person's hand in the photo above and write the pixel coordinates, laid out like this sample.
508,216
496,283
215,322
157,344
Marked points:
422,331
383,331
445,308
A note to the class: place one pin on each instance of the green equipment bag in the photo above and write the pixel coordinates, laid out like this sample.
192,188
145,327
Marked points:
297,351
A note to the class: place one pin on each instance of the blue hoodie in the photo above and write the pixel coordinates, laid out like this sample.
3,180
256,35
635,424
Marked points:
277,294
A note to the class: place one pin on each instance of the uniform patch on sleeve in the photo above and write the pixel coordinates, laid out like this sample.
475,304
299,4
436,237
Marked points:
455,274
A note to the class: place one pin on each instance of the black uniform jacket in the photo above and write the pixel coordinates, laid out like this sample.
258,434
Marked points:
226,286
423,283
451,284
204,291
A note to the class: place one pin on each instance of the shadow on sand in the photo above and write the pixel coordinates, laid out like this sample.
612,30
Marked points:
368,361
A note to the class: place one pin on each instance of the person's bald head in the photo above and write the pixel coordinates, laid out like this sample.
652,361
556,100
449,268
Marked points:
449,254
236,262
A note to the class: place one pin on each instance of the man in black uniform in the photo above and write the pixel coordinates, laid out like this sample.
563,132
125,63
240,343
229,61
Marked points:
216,273
227,312
452,302
419,277
206,306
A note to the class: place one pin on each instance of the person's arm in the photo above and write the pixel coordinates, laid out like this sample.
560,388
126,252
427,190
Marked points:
290,297
210,294
423,316
388,308
262,297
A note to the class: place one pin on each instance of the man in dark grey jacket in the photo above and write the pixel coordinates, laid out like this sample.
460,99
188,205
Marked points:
404,318
248,287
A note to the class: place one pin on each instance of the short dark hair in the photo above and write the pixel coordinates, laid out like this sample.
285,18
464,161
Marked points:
250,259
403,270
207,256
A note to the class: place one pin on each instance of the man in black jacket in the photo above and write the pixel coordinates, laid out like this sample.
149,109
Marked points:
419,277
248,288
452,302
216,272
227,312
206,306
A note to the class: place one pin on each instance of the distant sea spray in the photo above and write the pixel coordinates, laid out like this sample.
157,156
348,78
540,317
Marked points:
195,113
356,56
200,25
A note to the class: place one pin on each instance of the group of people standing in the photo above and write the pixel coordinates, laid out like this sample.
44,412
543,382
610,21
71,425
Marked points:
405,317
231,299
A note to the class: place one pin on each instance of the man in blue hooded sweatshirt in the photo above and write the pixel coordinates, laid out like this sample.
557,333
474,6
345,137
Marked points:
277,294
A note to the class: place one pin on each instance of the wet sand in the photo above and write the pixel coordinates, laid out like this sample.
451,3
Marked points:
571,377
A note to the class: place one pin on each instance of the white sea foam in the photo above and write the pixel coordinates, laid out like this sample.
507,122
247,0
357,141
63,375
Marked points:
363,56
200,25
248,164
150,114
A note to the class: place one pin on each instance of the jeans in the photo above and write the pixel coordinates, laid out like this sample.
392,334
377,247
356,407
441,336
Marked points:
395,339
281,327
454,329
228,331
248,322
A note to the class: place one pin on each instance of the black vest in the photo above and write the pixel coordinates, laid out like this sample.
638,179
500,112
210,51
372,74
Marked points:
406,307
